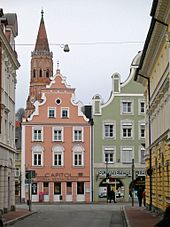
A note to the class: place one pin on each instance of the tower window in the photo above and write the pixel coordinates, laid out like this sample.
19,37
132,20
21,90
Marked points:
47,73
34,73
40,73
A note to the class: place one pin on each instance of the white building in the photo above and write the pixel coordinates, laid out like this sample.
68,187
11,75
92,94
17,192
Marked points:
8,66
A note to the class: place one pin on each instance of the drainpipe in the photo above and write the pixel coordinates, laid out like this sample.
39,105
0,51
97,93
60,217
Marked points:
0,82
149,171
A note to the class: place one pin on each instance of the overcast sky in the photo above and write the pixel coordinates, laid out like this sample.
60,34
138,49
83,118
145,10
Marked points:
104,36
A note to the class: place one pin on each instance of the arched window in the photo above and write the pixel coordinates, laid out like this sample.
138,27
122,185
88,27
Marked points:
40,73
34,73
47,73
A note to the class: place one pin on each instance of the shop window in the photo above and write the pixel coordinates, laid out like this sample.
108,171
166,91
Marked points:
46,188
80,188
57,188
69,188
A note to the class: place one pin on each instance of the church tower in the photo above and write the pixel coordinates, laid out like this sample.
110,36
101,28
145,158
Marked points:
41,67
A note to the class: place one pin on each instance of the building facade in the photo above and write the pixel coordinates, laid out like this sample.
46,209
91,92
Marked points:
56,145
119,137
8,66
153,74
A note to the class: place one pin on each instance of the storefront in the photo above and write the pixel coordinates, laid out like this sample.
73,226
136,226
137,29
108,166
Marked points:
120,180
59,187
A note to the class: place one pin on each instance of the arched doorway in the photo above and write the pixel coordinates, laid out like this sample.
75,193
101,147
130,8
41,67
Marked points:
139,182
113,183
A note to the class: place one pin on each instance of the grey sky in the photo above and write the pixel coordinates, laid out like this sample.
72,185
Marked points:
81,23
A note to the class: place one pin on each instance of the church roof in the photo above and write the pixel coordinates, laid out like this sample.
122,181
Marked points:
42,40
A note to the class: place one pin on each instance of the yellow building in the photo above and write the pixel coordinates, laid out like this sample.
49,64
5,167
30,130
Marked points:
154,73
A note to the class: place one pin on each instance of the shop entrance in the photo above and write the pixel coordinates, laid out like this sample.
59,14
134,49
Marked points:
139,182
113,183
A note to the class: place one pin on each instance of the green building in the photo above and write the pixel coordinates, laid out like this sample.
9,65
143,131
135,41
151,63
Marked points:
119,138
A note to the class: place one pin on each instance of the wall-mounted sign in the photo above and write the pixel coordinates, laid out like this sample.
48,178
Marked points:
120,172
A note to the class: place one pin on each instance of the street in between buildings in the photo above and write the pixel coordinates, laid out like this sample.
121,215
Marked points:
74,215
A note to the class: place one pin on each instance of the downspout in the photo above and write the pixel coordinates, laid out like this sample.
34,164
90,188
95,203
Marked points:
149,171
0,84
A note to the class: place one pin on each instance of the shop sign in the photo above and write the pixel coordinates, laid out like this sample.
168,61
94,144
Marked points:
120,172
57,177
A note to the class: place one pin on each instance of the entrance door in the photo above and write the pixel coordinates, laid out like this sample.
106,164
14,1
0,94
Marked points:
68,191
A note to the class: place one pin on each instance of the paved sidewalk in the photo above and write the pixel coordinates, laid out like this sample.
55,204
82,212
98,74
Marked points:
135,216
140,217
13,216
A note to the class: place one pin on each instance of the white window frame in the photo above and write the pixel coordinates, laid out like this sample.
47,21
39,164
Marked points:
109,150
49,109
33,135
109,123
53,134
65,109
141,149
126,111
128,149
58,149
38,150
82,134
78,150
127,124
141,124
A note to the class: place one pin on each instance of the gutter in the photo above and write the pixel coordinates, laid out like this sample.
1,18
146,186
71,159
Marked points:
149,35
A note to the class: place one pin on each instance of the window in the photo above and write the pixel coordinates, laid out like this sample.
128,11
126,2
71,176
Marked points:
47,73
51,112
46,188
37,159
69,188
37,134
80,188
127,155
64,112
108,155
77,134
78,159
58,134
127,130
58,155
57,188
57,159
40,73
142,130
37,155
34,73
109,130
141,107
126,107
142,155
78,155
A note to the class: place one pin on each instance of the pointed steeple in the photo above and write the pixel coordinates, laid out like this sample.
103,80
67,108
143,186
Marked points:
42,40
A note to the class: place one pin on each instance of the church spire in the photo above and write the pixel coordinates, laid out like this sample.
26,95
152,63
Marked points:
42,40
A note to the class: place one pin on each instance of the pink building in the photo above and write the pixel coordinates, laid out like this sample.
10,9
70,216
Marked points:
56,145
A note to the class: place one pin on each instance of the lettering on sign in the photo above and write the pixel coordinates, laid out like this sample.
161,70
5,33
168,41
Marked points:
57,177
120,172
